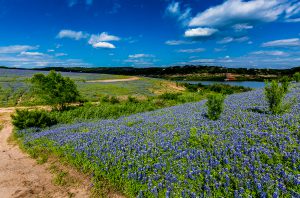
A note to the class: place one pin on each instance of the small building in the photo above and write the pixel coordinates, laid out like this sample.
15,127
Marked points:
229,77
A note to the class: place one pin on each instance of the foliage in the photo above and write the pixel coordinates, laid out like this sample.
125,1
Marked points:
297,77
178,152
107,110
23,119
169,96
216,87
55,89
215,105
132,99
275,94
285,83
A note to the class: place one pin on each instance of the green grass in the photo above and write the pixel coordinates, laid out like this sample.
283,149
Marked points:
16,89
109,110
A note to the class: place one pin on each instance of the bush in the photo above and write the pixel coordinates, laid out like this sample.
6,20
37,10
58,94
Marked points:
105,98
55,89
215,105
132,99
169,96
23,119
275,94
114,100
297,77
285,83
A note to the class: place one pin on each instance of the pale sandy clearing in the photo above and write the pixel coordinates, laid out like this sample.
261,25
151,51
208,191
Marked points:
114,80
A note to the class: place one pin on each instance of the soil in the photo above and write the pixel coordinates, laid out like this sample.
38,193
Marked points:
21,176
114,80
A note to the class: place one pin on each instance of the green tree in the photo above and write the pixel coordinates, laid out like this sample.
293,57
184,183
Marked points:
55,89
297,77
275,94
215,105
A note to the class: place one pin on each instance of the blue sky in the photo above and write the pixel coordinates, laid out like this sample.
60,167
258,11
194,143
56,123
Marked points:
233,33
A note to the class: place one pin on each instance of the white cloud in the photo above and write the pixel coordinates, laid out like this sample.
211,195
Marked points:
103,45
103,37
50,50
242,26
16,48
270,53
192,50
293,42
32,54
72,34
202,61
231,39
200,32
177,42
237,12
296,20
174,10
140,56
61,54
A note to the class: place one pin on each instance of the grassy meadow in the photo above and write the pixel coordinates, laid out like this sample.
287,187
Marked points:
16,88
155,138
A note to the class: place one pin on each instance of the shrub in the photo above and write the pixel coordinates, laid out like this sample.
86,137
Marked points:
132,99
114,100
285,83
23,119
169,96
275,94
297,77
215,105
105,98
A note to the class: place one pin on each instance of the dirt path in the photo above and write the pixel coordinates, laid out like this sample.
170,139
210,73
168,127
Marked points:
21,176
114,80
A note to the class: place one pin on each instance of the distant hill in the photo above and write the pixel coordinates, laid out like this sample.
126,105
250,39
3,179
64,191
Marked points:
173,70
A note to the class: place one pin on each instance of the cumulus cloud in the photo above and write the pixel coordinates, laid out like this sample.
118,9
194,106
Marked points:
200,32
105,45
96,40
293,42
76,35
103,37
101,40
192,50
16,49
238,12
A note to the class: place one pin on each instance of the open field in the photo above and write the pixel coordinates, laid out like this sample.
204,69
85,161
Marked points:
179,152
16,89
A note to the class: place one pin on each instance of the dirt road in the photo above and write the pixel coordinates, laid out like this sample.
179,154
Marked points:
21,176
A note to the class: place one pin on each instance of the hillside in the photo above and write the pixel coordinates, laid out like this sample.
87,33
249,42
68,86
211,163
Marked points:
179,152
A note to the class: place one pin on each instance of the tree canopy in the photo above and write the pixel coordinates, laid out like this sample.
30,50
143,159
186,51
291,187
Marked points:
55,89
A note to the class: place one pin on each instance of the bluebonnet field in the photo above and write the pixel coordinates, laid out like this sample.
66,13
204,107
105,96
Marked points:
178,152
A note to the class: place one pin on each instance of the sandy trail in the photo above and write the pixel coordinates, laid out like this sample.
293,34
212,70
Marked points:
114,80
21,176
